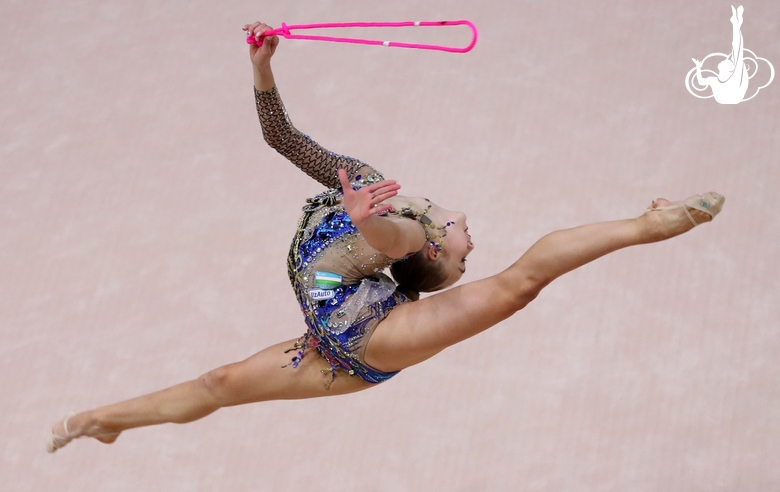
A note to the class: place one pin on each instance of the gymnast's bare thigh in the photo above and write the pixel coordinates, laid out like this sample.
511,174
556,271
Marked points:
411,333
414,332
261,377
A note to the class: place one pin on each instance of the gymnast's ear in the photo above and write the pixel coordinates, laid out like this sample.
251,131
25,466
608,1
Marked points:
433,250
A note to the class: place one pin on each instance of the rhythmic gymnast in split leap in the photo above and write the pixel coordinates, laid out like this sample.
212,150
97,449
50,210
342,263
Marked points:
362,328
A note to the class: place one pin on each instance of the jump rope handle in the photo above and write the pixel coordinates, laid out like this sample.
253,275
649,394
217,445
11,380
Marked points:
284,31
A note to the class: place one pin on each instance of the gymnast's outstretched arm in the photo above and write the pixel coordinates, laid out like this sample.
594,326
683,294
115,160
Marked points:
278,130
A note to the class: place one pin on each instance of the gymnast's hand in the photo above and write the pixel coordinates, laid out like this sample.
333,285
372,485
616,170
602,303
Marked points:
261,55
364,203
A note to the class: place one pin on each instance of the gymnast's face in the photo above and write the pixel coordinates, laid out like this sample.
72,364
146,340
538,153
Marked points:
455,246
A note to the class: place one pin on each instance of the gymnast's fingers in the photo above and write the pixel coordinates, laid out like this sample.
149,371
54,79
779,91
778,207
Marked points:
378,189
380,197
251,28
256,29
344,181
378,186
272,41
384,190
382,209
261,29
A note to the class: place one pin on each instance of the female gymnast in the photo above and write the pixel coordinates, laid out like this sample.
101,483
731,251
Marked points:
362,330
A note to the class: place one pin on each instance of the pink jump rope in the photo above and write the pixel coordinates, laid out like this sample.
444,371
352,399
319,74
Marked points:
284,31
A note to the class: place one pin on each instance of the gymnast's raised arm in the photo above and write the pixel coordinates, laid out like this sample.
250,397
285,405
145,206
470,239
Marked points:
278,130
366,207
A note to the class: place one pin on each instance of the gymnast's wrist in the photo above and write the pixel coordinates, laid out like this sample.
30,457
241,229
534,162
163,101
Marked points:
264,78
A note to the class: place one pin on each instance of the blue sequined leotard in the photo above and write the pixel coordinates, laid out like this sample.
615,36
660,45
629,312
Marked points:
340,320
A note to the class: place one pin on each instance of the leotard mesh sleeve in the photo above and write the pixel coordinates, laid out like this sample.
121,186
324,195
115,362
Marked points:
309,156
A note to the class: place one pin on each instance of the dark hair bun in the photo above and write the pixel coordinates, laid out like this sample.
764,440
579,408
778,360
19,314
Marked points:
418,274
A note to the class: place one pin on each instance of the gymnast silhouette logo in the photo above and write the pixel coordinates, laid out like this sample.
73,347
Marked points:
730,85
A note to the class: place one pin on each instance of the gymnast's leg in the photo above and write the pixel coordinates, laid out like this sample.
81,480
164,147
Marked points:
258,378
416,331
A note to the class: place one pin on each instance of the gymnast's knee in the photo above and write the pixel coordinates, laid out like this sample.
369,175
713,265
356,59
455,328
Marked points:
219,383
521,288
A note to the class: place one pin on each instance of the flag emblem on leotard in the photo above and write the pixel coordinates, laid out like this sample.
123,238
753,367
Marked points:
326,280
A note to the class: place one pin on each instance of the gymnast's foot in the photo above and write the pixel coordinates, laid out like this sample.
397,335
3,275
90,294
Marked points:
664,219
76,426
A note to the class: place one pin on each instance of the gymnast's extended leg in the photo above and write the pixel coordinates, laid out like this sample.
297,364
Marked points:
416,331
258,378
410,334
